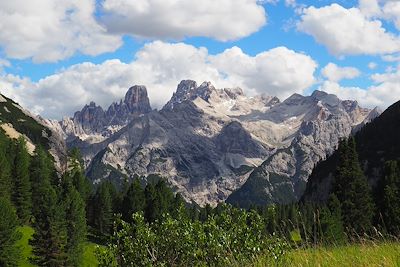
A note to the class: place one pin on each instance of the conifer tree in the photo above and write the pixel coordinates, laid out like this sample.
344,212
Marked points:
152,209
353,191
22,185
76,171
9,253
75,223
5,171
332,222
49,240
103,211
133,201
391,197
41,170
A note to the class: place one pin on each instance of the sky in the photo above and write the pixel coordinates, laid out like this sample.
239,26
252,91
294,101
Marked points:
58,55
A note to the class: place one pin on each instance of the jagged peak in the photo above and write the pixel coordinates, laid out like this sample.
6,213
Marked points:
234,92
188,90
294,98
319,94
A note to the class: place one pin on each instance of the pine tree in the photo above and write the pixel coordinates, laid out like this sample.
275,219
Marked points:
103,204
9,253
49,240
353,191
41,170
342,170
76,172
332,222
391,197
133,201
5,170
75,223
152,209
22,185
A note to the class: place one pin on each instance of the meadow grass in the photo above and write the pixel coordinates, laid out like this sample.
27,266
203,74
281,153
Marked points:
384,254
89,258
24,247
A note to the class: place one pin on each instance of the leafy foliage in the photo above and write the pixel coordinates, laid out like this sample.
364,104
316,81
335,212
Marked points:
233,236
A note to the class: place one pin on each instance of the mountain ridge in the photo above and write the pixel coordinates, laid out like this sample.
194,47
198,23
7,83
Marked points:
193,141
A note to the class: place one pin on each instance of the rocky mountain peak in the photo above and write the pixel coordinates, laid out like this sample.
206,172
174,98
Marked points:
294,99
92,119
233,93
89,115
188,90
137,100
319,94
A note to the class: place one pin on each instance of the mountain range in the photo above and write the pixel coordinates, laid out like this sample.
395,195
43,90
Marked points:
211,145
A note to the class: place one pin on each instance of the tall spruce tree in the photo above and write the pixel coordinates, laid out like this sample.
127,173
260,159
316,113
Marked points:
332,222
49,239
391,197
103,209
5,169
75,223
9,235
22,186
76,172
353,191
133,201
41,169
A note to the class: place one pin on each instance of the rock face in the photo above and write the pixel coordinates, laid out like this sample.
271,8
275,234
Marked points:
93,124
377,143
283,176
206,142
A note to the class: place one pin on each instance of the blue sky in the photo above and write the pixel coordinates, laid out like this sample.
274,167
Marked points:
60,57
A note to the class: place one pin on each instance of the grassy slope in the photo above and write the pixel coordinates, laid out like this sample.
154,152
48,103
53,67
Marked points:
89,258
26,249
383,254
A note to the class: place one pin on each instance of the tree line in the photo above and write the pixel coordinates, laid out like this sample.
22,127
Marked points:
66,209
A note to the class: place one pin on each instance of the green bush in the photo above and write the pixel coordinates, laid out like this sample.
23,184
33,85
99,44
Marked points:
233,237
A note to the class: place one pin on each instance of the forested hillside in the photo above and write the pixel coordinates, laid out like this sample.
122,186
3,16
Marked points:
376,144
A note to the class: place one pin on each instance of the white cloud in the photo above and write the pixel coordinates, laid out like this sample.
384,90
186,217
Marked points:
370,8
391,58
278,71
164,19
348,31
372,65
161,66
51,30
335,74
383,93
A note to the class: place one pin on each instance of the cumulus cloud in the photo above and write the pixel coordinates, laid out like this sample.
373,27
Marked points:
384,92
51,30
164,19
335,73
161,66
349,31
278,71
372,65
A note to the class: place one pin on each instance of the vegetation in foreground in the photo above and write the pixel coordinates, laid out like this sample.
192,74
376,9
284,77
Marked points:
384,254
145,224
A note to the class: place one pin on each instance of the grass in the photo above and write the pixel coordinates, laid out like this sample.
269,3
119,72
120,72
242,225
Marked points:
26,249
89,258
357,255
